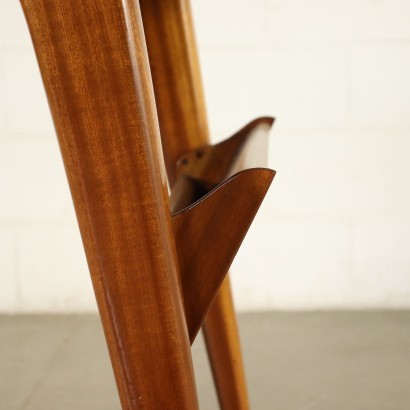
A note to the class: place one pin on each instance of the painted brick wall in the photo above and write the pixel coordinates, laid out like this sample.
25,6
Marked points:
334,230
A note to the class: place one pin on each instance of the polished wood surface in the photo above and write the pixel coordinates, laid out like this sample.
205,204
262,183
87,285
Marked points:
180,102
176,76
226,356
155,274
208,235
217,193
95,70
247,148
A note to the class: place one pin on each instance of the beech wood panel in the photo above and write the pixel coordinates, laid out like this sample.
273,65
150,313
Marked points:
94,65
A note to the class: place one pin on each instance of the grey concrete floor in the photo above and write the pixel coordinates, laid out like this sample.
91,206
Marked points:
294,361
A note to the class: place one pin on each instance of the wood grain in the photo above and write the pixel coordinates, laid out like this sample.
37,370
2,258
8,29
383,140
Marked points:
94,65
208,235
180,101
176,76
247,148
226,358
217,193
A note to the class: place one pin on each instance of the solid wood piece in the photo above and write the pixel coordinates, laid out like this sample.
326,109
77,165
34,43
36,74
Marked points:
176,76
224,352
95,69
247,148
216,196
208,235
180,102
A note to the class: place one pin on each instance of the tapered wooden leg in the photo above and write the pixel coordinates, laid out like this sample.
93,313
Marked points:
94,64
178,89
224,351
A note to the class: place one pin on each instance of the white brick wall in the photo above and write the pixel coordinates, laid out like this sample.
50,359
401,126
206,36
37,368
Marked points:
26,105
335,228
53,272
9,286
380,95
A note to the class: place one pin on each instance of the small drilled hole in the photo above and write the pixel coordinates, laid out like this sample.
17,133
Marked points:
199,154
185,161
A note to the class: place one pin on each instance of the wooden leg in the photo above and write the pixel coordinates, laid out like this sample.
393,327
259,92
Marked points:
94,64
178,89
224,351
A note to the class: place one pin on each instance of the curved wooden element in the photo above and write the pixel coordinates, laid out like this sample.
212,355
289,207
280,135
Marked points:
95,70
208,235
247,148
224,352
214,200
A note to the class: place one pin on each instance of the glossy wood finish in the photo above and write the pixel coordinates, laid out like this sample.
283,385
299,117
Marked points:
208,235
180,102
176,76
216,195
94,65
227,357
247,148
